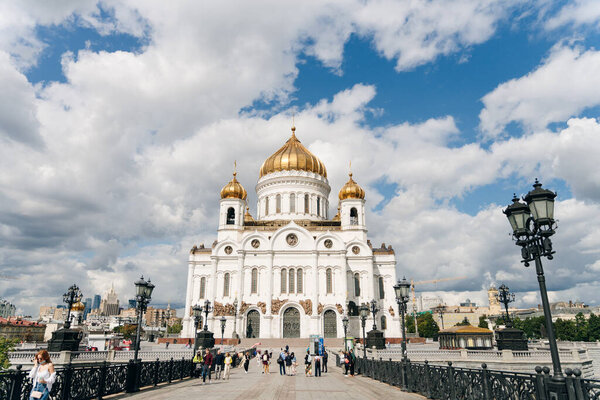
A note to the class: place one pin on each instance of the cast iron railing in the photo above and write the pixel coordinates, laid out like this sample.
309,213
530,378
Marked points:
95,381
452,383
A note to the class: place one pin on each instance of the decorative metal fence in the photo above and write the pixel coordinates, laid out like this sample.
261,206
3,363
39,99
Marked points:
451,383
95,381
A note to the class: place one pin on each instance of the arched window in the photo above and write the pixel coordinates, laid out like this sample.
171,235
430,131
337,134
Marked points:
383,322
291,280
230,216
292,203
202,287
266,206
381,291
329,281
278,203
353,216
318,206
306,204
283,280
226,285
356,284
254,281
299,280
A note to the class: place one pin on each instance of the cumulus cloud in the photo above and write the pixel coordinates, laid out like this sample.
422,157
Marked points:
577,12
564,85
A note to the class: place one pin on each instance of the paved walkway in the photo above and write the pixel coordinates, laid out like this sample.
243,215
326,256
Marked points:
254,385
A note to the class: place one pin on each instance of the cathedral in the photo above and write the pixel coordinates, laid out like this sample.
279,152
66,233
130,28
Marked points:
292,270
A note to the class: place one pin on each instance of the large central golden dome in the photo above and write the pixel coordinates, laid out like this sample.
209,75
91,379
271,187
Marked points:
293,156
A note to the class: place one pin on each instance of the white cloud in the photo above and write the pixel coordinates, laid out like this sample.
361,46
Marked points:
564,85
576,12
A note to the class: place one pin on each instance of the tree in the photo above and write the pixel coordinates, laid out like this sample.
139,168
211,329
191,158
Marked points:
565,329
410,323
482,322
6,346
581,328
175,328
593,328
428,328
464,322
128,330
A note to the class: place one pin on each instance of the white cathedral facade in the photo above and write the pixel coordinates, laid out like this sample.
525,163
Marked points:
293,270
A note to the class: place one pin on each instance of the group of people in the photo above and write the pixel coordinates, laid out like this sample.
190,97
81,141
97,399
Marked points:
349,360
222,364
320,361
288,363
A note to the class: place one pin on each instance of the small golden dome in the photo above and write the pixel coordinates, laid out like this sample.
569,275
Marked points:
293,156
337,216
79,306
247,216
351,190
234,190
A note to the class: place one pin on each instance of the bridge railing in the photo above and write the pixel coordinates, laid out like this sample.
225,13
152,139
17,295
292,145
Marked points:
79,382
446,382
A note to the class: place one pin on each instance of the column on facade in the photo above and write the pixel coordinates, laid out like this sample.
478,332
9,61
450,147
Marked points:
269,282
345,283
240,284
371,281
213,288
315,291
188,294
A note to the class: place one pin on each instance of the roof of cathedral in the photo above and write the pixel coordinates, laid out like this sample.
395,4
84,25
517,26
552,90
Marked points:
465,329
234,190
247,216
306,223
293,156
351,190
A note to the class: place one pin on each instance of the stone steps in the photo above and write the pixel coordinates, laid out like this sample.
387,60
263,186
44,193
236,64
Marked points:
277,343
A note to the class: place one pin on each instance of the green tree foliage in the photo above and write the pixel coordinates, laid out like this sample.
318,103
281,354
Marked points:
128,330
483,323
6,346
593,328
464,322
175,328
410,323
428,328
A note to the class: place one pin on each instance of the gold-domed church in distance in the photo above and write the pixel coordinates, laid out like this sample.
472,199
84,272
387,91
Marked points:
291,270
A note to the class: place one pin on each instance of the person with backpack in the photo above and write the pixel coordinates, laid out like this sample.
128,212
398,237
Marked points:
307,364
346,361
198,361
281,362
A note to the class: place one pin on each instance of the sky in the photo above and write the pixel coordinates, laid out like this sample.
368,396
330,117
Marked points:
120,121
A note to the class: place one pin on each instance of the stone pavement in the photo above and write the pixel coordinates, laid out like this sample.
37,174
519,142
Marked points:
254,385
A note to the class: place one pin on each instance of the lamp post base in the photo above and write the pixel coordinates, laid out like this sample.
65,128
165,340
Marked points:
65,339
206,339
375,339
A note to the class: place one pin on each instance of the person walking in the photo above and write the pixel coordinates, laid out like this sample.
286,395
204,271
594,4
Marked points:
265,361
281,362
352,362
208,361
307,364
259,361
288,362
43,376
246,362
219,358
325,357
317,365
228,360
198,360
346,360
294,363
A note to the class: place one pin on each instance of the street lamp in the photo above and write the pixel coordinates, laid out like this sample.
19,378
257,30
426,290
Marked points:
533,224
505,297
223,322
235,305
364,314
143,295
374,310
440,312
72,296
207,308
197,313
345,325
402,291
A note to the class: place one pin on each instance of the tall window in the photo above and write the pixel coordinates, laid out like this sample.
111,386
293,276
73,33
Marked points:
254,281
291,280
278,203
292,203
328,279
381,291
383,322
230,216
266,206
318,206
353,216
306,204
226,279
299,280
283,280
356,284
202,287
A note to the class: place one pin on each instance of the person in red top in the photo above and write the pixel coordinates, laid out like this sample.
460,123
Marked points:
208,360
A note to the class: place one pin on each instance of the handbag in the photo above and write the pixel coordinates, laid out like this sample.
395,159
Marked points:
36,394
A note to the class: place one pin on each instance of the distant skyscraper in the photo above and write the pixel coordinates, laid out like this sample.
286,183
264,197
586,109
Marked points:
96,303
110,303
88,307
7,309
132,303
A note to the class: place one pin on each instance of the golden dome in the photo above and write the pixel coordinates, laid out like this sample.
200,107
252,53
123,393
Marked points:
247,216
234,190
351,190
293,156
79,306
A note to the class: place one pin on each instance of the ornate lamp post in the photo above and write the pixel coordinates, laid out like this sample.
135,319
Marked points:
440,312
72,296
505,297
207,308
223,322
345,325
143,291
374,311
364,314
197,313
533,224
402,291
234,333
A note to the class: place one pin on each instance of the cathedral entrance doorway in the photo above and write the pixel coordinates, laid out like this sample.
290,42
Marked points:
291,323
253,324
329,324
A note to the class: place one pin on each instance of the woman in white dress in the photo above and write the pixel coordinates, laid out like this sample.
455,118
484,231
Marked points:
43,376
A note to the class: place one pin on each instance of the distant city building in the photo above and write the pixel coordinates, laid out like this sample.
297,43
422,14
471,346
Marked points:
160,316
96,303
21,329
88,307
468,303
7,309
109,305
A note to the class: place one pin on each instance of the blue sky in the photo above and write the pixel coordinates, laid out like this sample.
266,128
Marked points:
122,120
